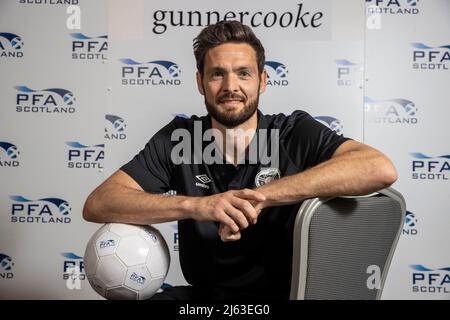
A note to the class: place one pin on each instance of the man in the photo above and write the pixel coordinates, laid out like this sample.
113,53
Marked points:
236,219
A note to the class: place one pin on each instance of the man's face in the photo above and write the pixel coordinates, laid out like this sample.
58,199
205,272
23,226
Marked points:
231,83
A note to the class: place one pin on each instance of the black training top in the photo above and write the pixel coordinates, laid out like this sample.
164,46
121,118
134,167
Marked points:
259,264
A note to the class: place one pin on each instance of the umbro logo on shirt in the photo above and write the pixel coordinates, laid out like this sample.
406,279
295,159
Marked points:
204,179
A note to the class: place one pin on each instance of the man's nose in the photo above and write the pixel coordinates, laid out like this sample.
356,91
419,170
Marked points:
231,83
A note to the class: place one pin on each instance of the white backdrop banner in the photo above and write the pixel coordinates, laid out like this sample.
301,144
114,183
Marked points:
85,84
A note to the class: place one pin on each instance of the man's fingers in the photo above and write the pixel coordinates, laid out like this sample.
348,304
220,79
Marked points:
226,234
229,223
231,237
246,208
250,194
237,215
235,208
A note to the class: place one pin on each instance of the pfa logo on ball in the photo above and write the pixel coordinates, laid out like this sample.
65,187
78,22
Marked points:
107,243
137,278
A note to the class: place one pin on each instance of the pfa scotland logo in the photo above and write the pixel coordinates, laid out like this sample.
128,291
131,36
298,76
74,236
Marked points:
410,225
73,267
154,73
89,48
277,74
390,111
347,72
115,128
53,100
429,280
11,45
426,167
6,267
393,7
430,58
45,210
80,156
9,155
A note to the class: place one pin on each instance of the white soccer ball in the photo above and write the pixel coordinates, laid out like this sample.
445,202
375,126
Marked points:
124,261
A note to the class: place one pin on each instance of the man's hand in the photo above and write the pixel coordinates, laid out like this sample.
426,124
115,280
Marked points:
226,234
233,208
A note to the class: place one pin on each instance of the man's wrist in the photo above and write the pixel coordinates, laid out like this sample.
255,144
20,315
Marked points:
189,206
266,203
280,192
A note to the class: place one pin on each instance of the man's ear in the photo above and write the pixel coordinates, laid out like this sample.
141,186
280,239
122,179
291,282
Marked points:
263,83
199,83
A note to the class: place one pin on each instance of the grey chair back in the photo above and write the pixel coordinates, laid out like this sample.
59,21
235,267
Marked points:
343,246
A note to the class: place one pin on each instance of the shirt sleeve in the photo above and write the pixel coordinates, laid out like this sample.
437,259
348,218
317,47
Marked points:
310,142
151,168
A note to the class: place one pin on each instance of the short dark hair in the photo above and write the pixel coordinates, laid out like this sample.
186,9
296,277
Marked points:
223,32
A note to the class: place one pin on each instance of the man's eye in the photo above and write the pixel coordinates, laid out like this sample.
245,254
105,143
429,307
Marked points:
217,74
244,73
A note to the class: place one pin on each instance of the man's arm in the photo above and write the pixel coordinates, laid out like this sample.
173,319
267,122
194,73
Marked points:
121,199
354,169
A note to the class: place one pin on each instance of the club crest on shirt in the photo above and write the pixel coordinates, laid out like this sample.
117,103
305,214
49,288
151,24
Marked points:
266,175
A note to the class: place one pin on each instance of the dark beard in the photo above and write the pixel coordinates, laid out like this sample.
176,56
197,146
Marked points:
228,119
